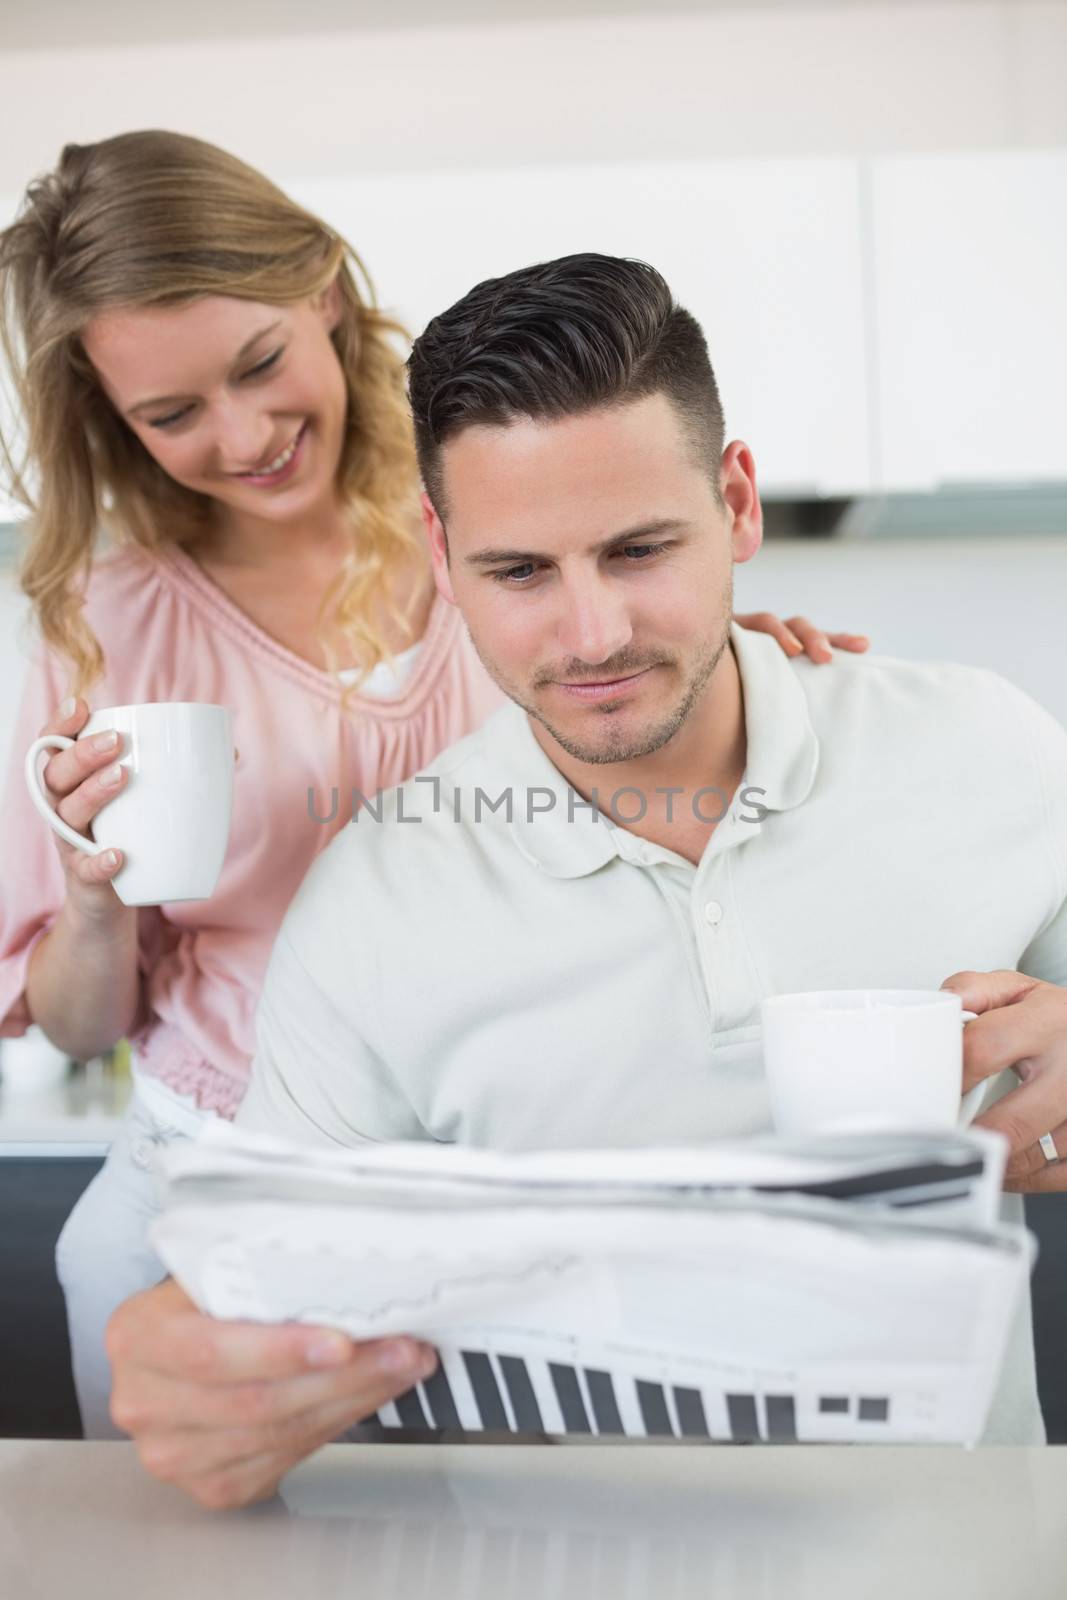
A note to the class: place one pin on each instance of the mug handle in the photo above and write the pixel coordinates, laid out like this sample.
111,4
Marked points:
54,741
971,1104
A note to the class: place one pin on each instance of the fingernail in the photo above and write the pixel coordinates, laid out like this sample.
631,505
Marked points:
401,1356
68,708
112,777
111,859
328,1350
105,741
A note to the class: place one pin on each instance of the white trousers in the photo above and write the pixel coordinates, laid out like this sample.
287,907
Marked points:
103,1255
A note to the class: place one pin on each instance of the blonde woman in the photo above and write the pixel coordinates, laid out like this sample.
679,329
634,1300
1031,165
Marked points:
203,375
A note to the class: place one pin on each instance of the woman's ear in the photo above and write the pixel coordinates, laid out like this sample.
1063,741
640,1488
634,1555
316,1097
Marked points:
328,303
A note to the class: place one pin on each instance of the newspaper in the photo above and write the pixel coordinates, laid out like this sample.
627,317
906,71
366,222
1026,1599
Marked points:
856,1288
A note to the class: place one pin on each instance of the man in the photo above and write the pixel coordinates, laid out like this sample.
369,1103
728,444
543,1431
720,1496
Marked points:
560,934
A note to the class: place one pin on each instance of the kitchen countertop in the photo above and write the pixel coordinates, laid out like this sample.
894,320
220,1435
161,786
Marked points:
78,1116
484,1522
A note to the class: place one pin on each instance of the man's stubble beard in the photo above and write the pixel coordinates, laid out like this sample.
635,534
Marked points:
649,740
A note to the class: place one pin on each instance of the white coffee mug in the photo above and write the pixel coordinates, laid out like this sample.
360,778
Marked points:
849,1060
172,818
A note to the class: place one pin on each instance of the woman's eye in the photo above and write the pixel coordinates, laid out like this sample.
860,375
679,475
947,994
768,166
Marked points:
253,372
166,422
263,365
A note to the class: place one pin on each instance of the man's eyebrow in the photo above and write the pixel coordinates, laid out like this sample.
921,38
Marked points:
168,399
645,530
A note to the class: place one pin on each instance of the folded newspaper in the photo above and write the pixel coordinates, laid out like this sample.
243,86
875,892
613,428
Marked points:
856,1288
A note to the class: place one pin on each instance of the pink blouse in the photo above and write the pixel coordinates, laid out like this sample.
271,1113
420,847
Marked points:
169,633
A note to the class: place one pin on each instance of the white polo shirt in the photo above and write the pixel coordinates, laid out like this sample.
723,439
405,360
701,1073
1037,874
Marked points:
546,978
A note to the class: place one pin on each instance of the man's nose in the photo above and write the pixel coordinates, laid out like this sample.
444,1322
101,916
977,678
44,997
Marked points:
595,622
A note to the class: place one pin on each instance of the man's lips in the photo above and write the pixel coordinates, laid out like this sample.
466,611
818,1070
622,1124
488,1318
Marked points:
605,689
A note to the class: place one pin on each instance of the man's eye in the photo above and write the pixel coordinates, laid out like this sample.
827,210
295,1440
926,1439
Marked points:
638,552
516,575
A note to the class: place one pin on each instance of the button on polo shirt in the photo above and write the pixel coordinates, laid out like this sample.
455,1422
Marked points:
491,961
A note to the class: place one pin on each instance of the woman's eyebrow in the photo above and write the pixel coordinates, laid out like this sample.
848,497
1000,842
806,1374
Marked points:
168,399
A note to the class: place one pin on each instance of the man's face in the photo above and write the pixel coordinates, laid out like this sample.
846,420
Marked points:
593,565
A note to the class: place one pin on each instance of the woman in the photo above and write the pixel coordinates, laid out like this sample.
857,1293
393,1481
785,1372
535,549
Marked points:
202,371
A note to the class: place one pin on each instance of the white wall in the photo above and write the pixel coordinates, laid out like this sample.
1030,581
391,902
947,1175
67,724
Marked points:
988,602
811,80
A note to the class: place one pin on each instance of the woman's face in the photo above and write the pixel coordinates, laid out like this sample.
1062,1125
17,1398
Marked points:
238,400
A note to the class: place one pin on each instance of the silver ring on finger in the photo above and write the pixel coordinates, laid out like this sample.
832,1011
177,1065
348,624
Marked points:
1048,1146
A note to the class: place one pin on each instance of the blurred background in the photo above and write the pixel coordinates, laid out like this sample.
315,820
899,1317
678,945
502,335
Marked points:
864,202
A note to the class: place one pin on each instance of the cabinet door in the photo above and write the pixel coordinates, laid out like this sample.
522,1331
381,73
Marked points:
766,254
970,273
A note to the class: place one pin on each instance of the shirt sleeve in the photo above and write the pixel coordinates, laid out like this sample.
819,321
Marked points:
32,889
1046,955
317,1074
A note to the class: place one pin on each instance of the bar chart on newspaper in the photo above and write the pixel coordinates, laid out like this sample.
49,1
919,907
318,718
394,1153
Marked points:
491,1390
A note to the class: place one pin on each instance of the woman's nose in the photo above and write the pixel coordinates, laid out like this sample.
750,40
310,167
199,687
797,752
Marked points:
244,439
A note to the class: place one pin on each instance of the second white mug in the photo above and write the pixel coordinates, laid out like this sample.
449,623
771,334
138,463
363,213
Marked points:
846,1060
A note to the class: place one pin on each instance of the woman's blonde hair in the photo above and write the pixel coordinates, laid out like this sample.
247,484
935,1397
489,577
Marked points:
160,219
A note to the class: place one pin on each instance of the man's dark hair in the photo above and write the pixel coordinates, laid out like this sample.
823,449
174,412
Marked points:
553,341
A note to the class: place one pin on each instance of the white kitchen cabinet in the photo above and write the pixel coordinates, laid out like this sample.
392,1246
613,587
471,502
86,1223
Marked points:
970,298
766,254
895,325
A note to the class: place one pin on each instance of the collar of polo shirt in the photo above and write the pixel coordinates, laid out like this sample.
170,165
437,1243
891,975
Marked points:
555,828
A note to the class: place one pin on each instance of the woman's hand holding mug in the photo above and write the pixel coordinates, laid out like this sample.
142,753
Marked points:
82,776
155,782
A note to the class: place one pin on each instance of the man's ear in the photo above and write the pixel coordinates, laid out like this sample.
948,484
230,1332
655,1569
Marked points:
438,542
737,485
